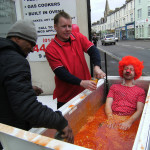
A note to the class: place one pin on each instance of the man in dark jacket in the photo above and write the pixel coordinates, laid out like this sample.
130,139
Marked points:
94,40
18,102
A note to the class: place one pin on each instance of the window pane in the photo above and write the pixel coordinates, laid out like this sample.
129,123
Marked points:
148,10
7,16
109,36
149,31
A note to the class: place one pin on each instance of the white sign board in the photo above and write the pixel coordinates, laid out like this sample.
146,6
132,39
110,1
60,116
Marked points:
42,12
130,26
123,28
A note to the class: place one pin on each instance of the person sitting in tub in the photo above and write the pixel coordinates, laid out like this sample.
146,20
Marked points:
126,99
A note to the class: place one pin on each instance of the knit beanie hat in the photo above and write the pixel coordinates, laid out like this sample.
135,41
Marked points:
24,29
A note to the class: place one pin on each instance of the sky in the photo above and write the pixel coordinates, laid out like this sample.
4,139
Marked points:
98,7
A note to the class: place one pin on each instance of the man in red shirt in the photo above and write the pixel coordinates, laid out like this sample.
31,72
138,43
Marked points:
126,99
65,55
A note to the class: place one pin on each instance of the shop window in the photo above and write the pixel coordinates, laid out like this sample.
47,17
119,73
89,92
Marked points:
7,16
130,33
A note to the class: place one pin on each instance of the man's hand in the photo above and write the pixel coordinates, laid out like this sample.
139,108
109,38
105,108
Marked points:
125,125
88,84
111,122
98,73
108,110
37,90
67,134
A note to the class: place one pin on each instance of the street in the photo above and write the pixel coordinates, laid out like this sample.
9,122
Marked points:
137,48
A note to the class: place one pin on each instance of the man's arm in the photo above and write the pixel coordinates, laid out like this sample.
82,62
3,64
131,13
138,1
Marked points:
94,55
109,113
66,76
95,58
127,124
98,73
108,109
63,74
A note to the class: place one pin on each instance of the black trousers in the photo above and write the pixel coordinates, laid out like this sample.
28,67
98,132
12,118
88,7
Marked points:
59,104
95,44
1,146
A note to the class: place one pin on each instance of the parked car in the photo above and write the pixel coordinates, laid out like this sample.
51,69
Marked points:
108,39
116,39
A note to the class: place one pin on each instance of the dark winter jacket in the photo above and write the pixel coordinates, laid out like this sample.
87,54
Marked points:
18,104
94,39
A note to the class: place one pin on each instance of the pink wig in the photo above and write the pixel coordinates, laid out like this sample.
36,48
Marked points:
135,62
